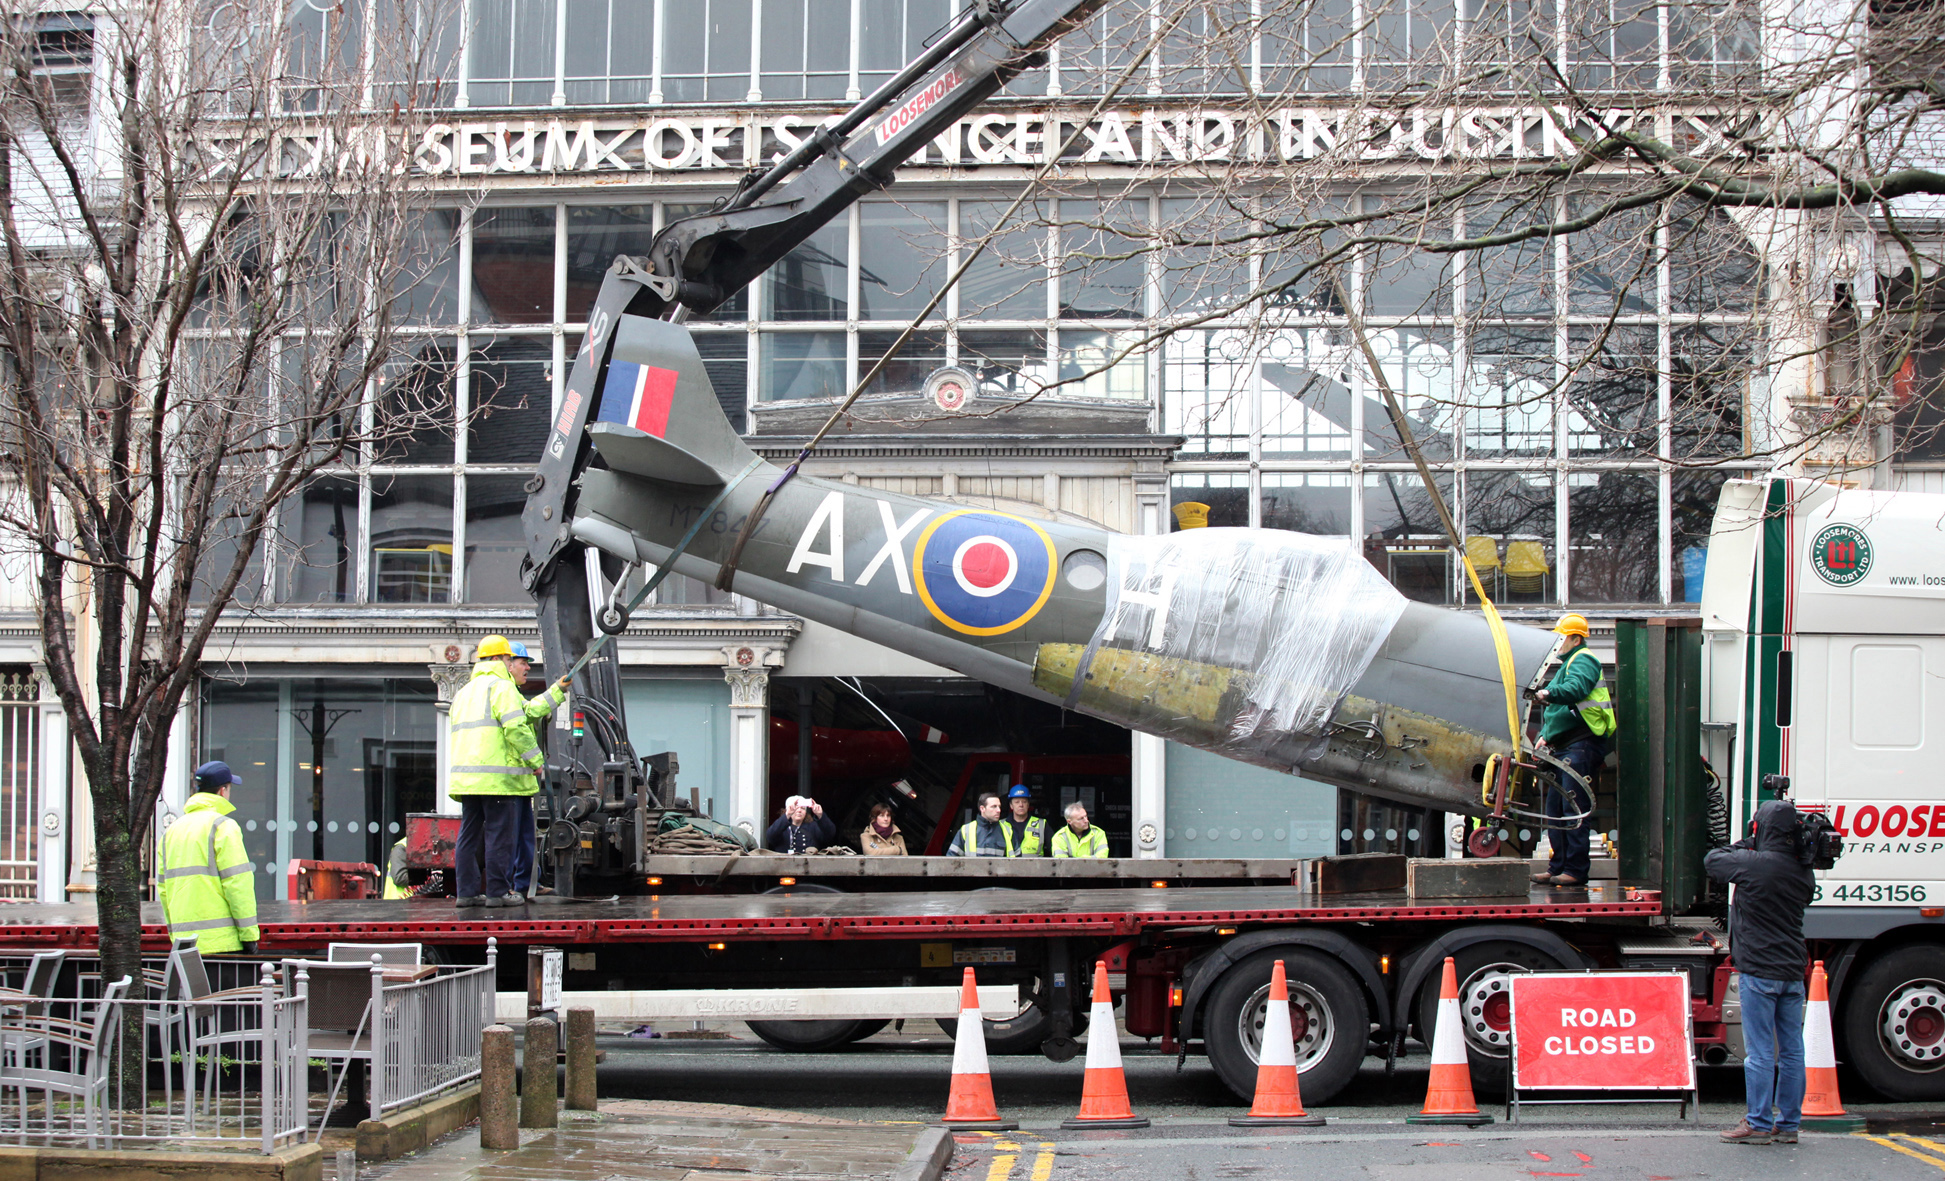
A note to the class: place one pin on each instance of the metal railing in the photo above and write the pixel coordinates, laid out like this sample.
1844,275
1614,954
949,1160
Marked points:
429,1035
229,1070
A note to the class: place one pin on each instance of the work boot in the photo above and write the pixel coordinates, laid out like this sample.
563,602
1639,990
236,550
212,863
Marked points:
1543,879
1742,1133
1567,881
471,900
508,899
1784,1136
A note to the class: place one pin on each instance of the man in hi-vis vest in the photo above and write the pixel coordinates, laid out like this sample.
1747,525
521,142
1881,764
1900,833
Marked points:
495,768
1578,721
207,889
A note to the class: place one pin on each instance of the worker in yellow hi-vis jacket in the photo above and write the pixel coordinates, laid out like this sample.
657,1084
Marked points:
207,888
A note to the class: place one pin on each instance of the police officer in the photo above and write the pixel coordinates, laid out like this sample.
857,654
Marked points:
207,888
494,773
1077,838
1575,727
984,835
1026,833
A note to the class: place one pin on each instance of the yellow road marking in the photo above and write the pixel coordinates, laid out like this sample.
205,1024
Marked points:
1922,1144
1043,1165
1893,1145
1002,1167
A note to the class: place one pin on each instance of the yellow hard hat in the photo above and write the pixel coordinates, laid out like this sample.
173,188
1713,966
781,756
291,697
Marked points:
498,646
1572,624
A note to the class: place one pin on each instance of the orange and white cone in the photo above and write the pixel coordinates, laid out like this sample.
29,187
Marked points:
1823,1111
971,1103
1448,1098
1277,1102
1104,1093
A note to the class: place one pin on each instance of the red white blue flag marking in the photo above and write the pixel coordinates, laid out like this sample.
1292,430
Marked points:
638,396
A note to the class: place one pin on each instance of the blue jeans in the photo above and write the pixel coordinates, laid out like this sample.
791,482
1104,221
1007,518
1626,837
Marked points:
1772,1032
1571,852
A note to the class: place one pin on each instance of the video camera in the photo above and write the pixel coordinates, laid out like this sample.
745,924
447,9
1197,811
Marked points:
1819,844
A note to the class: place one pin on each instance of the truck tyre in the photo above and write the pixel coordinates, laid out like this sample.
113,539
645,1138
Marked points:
808,1037
1021,1034
1328,1014
866,1028
1893,1023
1485,1003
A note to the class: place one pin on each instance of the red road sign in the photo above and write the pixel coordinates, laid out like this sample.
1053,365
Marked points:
1602,1031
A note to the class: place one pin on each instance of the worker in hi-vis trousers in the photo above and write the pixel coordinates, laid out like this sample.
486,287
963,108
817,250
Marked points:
207,888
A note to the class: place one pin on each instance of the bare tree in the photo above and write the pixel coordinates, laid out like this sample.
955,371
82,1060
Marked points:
205,215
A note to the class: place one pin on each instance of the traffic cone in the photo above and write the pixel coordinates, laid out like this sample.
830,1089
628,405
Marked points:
971,1103
1448,1099
1277,1102
1823,1111
1104,1093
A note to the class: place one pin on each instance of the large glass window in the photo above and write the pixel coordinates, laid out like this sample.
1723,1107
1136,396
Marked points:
901,258
411,539
798,365
1514,514
610,45
596,234
706,51
1403,537
893,32
321,541
494,545
806,48
809,283
1614,527
1307,46
513,265
511,53
1308,502
1009,280
1102,268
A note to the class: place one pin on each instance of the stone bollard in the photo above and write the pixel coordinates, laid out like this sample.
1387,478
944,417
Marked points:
580,1060
347,1164
498,1113
537,1082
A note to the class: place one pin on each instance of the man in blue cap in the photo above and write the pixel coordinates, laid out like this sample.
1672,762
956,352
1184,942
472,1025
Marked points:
207,888
1028,832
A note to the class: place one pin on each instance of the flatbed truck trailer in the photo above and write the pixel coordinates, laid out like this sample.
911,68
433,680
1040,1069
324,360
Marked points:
1191,964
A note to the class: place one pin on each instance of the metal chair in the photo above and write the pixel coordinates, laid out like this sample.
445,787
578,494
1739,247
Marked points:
42,972
90,1048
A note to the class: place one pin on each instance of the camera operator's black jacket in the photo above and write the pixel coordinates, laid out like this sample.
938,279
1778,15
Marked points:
1773,886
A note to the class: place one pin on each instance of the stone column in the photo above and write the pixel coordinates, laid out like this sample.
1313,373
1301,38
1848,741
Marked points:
51,875
747,669
1148,754
447,678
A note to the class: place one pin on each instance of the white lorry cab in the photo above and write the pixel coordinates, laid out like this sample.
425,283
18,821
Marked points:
1823,662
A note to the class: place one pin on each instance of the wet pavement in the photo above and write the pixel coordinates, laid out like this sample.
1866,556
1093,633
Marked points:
652,1140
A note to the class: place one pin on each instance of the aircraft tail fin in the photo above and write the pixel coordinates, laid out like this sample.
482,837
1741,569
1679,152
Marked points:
656,413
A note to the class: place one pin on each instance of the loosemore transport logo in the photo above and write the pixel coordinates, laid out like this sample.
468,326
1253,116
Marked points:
1841,555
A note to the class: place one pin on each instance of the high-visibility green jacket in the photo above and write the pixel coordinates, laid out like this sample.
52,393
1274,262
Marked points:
397,882
1027,838
492,746
1093,843
982,838
1576,698
207,889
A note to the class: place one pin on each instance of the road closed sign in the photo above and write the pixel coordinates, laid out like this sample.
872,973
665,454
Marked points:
1605,1031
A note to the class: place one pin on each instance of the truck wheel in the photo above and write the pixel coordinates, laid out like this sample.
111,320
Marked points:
1485,1004
866,1028
808,1037
1328,1016
1894,1024
1015,1035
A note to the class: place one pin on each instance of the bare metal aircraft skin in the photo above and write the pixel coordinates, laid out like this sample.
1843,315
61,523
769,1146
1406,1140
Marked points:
1010,601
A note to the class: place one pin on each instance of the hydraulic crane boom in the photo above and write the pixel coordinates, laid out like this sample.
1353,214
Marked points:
693,265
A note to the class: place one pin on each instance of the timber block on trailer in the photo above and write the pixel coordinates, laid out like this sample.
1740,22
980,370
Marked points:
1474,877
304,1162
1354,873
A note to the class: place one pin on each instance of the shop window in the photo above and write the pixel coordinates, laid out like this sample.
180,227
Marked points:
809,282
411,539
1613,539
1404,538
1308,48
706,51
321,543
901,258
494,542
512,53
610,44
1513,512
1008,281
806,49
1307,502
793,366
1218,807
513,266
1199,500
221,538
509,400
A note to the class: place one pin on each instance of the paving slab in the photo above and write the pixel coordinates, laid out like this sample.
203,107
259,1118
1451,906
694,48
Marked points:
662,1140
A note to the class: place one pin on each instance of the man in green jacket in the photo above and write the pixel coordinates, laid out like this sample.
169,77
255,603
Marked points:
1077,838
1575,728
207,888
495,771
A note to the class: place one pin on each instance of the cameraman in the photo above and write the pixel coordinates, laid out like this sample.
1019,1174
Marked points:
1770,870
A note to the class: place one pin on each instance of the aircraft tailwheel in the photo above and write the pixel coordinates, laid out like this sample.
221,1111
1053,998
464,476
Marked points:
1484,841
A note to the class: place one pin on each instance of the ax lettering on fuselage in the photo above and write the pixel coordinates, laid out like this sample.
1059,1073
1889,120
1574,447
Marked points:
893,550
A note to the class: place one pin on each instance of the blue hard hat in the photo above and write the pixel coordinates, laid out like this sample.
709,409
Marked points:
214,776
1019,792
519,650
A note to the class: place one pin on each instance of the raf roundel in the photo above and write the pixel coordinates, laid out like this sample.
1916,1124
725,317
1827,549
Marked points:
983,574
